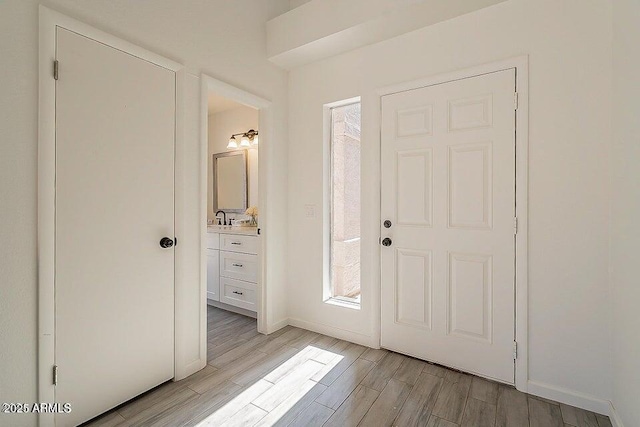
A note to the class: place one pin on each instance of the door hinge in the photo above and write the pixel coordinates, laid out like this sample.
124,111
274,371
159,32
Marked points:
55,374
56,66
515,100
515,350
515,225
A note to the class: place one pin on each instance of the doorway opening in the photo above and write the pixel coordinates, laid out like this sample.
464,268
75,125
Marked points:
233,141
234,133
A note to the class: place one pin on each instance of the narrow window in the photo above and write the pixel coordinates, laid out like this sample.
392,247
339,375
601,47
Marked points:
344,212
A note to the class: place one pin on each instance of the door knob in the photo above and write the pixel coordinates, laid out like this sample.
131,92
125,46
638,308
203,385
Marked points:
166,242
387,224
386,241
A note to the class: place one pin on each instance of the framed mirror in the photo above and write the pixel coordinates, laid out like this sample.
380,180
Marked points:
230,181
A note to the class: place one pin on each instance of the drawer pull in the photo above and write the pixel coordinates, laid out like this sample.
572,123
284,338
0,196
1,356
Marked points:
236,292
236,243
238,265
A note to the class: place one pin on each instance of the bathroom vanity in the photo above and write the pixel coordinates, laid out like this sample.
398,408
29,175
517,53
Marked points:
232,267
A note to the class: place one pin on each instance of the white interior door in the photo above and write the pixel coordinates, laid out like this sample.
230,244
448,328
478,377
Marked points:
448,190
114,284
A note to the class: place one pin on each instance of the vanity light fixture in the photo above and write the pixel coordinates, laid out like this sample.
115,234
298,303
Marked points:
244,142
248,139
233,144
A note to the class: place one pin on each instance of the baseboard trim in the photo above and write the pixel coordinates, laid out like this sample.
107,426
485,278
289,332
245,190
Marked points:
569,397
277,326
331,331
191,369
616,421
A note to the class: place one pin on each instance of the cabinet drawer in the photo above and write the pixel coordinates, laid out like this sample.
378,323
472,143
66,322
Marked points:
239,266
238,243
213,241
237,293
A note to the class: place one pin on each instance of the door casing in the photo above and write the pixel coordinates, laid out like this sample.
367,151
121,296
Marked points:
48,21
521,65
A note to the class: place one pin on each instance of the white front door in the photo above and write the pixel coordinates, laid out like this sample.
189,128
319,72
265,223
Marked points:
448,192
114,284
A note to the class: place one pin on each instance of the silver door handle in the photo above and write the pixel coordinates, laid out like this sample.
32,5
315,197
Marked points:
239,293
236,243
237,265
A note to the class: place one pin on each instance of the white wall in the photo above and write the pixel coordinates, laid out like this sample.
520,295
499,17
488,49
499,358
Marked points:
625,212
197,36
295,3
222,125
568,43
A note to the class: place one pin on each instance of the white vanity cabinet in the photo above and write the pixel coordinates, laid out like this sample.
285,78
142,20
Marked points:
232,269
213,266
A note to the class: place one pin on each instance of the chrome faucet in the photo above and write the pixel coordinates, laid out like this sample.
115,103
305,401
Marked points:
224,216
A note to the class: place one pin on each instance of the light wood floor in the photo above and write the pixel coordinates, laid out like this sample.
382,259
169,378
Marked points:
300,378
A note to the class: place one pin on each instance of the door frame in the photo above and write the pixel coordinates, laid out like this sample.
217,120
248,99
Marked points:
49,20
265,123
521,65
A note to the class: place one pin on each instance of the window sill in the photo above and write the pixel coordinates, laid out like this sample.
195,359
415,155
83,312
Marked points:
345,303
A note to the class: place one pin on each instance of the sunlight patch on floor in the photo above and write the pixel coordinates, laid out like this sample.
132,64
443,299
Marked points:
276,393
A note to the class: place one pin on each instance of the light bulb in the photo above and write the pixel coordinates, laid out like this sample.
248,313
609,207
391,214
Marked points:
244,142
255,140
232,143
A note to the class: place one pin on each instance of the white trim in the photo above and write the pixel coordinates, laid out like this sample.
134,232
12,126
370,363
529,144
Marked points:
521,65
183,284
46,212
569,397
274,326
238,95
327,135
332,331
344,302
344,102
614,416
210,84
49,20
522,213
492,67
